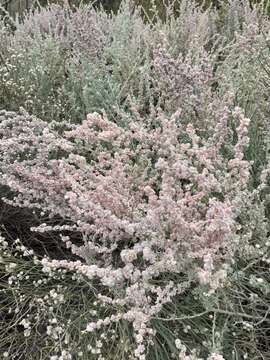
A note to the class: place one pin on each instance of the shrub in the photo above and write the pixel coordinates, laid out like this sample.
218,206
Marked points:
134,162
162,202
61,63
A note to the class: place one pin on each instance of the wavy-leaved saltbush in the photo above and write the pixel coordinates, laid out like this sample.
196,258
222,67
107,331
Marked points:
134,173
155,206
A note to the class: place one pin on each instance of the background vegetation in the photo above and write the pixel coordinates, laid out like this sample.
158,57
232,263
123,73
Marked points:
19,6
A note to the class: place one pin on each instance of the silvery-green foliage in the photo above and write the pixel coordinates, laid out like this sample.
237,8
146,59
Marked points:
32,77
91,89
122,69
245,71
192,28
63,62
83,30
235,15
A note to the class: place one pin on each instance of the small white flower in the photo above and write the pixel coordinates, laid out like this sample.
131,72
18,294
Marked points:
215,356
178,344
54,357
27,332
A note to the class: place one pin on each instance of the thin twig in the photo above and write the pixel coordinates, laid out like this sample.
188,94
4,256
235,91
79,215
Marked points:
184,317
218,311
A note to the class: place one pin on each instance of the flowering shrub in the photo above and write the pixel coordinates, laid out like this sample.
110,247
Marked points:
141,154
148,199
82,31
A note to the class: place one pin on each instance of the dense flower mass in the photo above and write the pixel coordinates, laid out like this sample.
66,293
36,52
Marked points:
150,198
135,158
